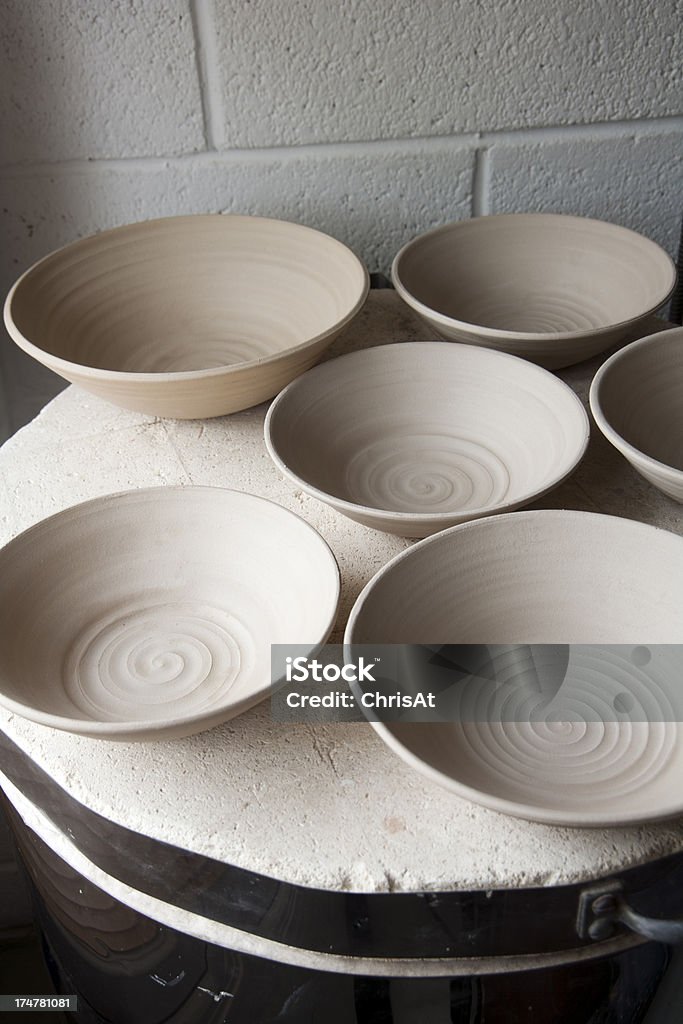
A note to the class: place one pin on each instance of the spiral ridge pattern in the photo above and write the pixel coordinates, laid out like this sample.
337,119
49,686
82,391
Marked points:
158,661
427,474
555,312
611,727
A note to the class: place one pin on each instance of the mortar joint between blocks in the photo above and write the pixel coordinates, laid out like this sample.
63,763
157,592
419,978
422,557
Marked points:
208,73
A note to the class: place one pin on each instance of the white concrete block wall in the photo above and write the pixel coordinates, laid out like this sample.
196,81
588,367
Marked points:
305,71
632,177
82,80
370,120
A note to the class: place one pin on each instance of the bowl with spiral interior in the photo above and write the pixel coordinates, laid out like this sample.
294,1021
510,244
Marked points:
150,614
413,437
553,643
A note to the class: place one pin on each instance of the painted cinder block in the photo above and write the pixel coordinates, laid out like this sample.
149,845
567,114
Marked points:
102,79
320,71
633,180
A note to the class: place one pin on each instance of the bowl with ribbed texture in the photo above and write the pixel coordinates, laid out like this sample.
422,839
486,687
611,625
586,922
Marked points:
603,748
636,398
150,614
187,317
414,437
551,288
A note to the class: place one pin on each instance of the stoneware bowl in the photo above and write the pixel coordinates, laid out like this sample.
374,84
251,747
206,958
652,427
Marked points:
589,755
412,438
187,317
551,288
637,400
150,614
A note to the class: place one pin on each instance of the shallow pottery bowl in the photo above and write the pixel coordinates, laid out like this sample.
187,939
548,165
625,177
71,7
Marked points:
187,316
150,614
414,437
551,288
545,577
637,400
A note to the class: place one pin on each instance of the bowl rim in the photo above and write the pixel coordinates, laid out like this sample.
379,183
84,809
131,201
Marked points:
68,368
548,816
529,337
635,455
426,518
124,730
491,522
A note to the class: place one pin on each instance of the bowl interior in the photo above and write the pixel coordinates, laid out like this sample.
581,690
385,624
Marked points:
640,395
159,604
530,577
187,293
577,755
426,427
535,273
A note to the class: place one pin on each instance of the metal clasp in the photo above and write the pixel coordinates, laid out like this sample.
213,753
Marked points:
603,910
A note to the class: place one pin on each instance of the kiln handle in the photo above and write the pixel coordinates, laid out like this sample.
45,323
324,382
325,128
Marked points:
603,908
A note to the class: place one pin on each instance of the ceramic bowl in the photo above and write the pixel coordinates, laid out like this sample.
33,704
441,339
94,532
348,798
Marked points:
150,614
540,578
547,287
187,317
637,400
414,437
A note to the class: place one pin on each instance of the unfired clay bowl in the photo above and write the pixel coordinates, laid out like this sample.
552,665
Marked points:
547,287
150,614
415,437
187,316
637,400
546,577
